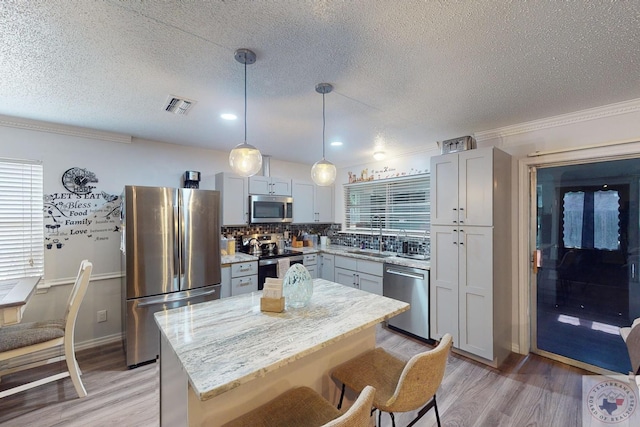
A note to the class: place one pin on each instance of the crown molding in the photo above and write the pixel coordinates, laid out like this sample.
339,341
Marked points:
616,109
39,126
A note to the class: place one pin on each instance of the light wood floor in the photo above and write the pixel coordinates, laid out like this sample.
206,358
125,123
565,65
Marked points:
530,390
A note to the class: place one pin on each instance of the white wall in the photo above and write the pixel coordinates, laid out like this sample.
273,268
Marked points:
115,165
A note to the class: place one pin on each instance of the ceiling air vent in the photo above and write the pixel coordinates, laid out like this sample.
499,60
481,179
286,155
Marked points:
177,105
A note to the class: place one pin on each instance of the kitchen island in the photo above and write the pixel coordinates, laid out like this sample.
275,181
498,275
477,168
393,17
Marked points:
220,359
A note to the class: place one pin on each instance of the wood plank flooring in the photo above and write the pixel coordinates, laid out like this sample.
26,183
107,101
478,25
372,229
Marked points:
527,390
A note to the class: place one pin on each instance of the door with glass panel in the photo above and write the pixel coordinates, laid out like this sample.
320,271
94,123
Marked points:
587,243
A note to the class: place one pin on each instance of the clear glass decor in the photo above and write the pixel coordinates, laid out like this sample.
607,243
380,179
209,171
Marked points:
297,286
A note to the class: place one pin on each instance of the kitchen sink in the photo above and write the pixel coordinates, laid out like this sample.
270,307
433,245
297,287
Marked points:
371,254
419,257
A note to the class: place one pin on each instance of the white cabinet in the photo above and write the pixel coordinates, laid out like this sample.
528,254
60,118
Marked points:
244,277
310,261
471,252
234,199
327,264
269,185
362,274
225,288
312,203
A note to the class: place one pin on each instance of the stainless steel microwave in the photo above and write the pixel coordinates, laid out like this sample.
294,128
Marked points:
270,209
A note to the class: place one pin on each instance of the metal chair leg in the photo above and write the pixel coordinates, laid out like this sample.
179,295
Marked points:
435,405
393,419
341,397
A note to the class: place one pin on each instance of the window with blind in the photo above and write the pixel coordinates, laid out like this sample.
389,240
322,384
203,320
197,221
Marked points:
395,204
21,219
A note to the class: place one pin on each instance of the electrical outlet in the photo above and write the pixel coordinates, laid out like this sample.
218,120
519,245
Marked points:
102,316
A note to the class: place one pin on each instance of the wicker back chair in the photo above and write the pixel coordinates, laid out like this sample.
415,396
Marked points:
401,386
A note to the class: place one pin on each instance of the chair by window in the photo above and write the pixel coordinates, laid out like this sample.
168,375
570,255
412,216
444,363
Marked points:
303,407
401,386
26,338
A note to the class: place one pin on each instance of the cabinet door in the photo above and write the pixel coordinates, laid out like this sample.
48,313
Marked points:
324,204
234,196
327,262
475,245
313,271
244,285
280,186
475,189
370,283
444,189
345,277
444,282
303,194
225,289
259,185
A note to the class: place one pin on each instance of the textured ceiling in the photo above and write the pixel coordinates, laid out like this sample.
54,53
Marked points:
406,73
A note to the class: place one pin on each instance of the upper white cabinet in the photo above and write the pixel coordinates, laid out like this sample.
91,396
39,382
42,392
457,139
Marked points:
462,188
234,199
471,252
269,185
312,203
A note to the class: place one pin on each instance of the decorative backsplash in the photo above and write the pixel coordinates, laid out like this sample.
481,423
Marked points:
416,245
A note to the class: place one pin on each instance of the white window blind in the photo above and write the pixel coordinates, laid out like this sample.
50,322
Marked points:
21,219
399,203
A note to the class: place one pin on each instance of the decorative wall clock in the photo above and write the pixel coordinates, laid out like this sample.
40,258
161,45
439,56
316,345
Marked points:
76,180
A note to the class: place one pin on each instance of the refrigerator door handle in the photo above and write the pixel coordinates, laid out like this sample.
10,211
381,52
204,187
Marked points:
177,248
162,299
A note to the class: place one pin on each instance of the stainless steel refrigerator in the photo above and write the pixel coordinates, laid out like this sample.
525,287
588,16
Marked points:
171,258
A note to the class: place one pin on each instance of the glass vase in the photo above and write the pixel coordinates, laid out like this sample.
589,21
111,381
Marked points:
297,286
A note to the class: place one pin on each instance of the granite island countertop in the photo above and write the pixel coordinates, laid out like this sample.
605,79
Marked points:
225,343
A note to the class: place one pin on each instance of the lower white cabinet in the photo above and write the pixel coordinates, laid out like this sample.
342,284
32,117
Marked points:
310,261
225,288
327,265
361,274
244,277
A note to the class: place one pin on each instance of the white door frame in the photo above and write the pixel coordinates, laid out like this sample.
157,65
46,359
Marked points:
615,150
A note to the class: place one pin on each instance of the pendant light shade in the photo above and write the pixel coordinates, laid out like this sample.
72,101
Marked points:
323,172
245,159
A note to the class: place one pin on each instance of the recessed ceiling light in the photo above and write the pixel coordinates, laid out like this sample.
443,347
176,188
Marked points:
336,143
228,116
379,155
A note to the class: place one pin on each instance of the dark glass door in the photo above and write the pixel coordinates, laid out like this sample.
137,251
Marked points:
587,237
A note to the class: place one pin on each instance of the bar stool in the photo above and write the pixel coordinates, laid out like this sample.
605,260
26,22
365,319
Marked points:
401,386
303,407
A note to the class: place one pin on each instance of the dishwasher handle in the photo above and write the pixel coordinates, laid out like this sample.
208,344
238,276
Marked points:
404,274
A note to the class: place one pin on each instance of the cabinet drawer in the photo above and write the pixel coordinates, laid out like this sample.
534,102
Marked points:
244,268
370,267
310,259
346,262
244,285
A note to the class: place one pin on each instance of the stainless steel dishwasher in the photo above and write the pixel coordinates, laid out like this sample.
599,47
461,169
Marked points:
409,285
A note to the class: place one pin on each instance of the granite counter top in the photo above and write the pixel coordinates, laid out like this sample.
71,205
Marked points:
237,257
391,259
224,343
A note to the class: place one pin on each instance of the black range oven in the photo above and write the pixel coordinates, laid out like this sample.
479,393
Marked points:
265,247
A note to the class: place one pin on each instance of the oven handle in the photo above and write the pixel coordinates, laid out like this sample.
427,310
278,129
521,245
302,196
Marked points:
271,261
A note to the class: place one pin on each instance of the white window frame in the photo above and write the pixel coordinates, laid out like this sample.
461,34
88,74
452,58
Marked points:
402,205
21,219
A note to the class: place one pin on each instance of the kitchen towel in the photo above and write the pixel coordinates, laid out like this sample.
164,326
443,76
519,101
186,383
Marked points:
283,266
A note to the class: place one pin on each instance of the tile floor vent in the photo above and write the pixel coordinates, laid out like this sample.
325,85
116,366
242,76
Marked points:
177,105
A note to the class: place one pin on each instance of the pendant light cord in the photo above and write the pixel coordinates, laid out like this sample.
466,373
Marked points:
323,125
245,101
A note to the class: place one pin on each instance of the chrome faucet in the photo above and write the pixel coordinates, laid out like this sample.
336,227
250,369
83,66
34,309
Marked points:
380,239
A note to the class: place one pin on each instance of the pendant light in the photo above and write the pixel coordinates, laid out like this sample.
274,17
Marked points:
323,172
245,159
